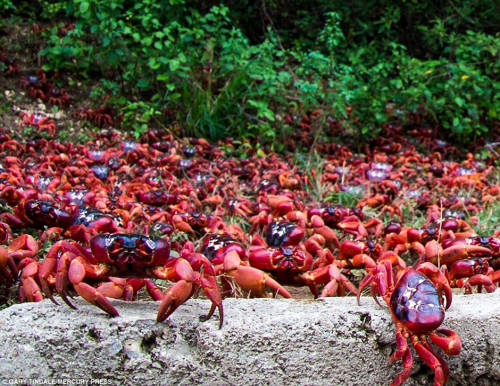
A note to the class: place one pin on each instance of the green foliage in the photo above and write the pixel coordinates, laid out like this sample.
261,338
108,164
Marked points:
232,69
347,199
488,220
170,55
6,5
137,115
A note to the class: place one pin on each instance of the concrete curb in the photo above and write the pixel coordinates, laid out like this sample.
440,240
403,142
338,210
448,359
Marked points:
263,342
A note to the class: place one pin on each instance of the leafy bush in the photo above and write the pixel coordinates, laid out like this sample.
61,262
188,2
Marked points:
231,68
6,5
175,58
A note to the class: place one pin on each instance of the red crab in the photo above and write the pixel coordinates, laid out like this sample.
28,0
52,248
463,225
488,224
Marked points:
415,301
5,233
37,213
101,117
20,252
89,222
56,96
11,68
192,223
126,256
41,86
230,262
471,272
458,249
40,122
290,261
157,197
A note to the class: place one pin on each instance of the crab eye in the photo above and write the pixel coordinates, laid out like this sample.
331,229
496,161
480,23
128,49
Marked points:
109,241
150,244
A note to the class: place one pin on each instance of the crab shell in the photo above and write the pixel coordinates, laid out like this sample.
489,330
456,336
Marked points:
130,249
46,213
416,304
283,234
215,247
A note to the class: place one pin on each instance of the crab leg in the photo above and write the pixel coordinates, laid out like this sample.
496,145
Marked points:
433,360
251,279
76,275
29,288
6,260
402,352
153,290
179,292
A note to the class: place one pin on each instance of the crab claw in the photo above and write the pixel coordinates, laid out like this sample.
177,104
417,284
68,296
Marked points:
393,258
7,261
438,279
353,225
29,288
380,279
251,279
337,283
325,231
45,271
480,280
181,291
174,297
448,340
23,246
181,225
190,281
330,275
76,275
363,260
458,252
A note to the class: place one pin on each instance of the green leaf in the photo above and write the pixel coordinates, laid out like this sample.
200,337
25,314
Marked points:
163,77
143,83
459,101
84,6
174,64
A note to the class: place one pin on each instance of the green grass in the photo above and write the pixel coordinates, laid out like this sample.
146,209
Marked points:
489,220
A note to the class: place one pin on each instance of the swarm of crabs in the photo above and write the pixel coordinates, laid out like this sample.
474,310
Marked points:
115,217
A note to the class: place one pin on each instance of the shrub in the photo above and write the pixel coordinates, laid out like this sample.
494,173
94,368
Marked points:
227,68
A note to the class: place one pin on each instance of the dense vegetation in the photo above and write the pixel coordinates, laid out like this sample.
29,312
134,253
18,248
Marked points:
236,68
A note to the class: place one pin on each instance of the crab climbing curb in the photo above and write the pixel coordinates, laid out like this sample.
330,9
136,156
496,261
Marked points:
417,301
268,338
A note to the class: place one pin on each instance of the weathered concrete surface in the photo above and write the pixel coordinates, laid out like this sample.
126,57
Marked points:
262,342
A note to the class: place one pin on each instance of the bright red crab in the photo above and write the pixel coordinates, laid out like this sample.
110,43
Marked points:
229,259
291,262
101,117
40,122
126,256
20,252
37,213
415,302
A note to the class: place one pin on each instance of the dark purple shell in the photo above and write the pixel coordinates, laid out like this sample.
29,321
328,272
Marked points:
88,216
416,304
47,213
216,246
282,234
157,197
130,249
100,171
